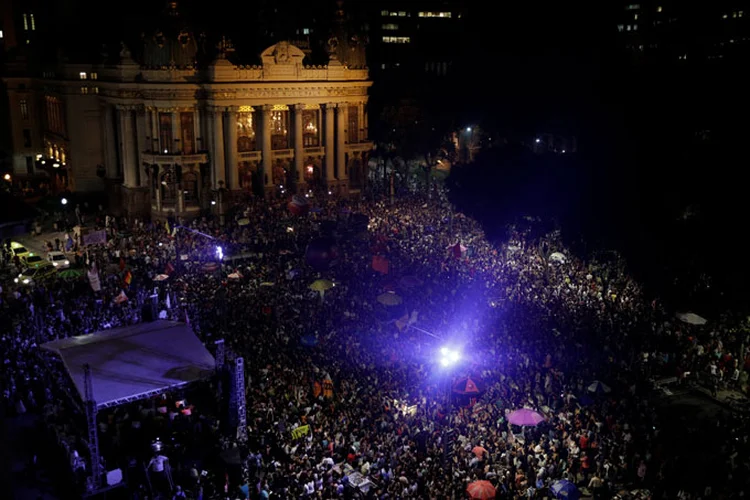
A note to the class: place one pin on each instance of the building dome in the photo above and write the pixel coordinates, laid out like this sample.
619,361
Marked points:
172,44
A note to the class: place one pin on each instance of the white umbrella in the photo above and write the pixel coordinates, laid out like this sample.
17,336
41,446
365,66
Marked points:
691,318
558,257
599,387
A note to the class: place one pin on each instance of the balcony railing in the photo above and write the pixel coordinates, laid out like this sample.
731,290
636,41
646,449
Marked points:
282,153
174,159
249,155
315,151
359,146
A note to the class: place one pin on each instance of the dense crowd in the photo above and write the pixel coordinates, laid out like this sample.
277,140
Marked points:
535,325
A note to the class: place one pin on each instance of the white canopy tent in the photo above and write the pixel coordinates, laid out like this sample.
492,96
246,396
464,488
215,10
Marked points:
134,362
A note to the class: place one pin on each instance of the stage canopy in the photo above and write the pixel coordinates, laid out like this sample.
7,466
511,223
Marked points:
134,362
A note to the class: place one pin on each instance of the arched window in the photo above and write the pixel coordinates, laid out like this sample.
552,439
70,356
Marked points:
190,188
245,131
168,188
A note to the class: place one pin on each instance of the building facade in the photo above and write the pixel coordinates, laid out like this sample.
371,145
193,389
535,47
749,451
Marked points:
169,138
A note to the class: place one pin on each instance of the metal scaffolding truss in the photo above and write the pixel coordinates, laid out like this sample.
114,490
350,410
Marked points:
237,401
95,480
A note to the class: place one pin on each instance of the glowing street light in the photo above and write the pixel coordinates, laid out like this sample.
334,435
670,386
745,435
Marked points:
6,177
449,357
538,140
219,253
64,201
468,129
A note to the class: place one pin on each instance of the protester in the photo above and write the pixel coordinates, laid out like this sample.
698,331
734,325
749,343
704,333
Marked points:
536,327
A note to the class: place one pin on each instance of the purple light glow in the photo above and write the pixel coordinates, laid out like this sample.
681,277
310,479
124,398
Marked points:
449,357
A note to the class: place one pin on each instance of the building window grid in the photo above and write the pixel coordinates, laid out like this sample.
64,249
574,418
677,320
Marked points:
24,104
25,22
396,39
389,27
33,22
353,125
443,15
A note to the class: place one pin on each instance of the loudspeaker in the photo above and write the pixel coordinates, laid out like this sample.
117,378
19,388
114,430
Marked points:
148,313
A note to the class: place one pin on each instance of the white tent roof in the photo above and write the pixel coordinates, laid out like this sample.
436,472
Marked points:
133,362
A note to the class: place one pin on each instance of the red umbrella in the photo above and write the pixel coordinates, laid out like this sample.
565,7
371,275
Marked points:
481,490
467,386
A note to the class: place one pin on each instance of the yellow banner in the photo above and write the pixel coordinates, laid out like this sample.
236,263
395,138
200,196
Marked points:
301,431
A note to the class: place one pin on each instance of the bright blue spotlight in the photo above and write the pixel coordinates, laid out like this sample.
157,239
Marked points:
449,357
219,253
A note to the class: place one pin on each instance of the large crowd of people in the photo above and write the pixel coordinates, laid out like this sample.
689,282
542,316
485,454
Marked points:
535,325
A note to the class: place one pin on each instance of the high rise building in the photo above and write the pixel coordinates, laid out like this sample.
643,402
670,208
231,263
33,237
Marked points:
685,32
415,39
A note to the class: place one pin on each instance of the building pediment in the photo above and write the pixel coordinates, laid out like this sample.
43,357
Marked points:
282,54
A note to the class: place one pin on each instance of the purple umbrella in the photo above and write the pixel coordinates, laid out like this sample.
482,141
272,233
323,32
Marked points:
525,417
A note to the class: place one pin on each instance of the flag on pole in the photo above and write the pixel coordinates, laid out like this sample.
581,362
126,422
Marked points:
121,297
128,278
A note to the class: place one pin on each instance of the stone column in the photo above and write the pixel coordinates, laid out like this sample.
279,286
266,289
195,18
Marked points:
233,174
266,160
155,146
110,157
141,134
361,122
365,122
217,154
198,146
127,147
299,146
176,145
341,142
330,146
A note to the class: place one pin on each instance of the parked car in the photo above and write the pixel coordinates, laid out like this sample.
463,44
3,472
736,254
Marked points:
58,259
18,250
34,274
33,260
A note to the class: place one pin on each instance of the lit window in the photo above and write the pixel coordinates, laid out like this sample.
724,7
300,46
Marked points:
93,76
402,14
741,13
734,15
33,24
24,109
25,22
390,27
84,90
396,39
95,90
620,27
659,9
633,6
305,31
446,15
384,13
1,33
635,27
82,74
628,27
635,17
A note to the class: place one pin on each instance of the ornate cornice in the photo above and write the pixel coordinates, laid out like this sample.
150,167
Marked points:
225,93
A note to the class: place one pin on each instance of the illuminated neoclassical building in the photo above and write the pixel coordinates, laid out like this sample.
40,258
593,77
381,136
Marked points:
170,137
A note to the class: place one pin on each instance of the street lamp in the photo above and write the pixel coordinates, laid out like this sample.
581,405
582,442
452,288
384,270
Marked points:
6,177
64,201
468,129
